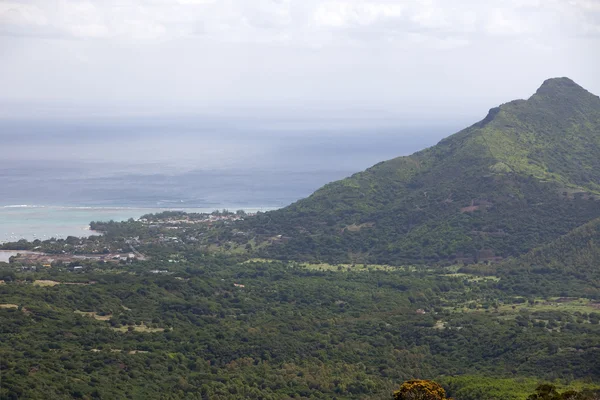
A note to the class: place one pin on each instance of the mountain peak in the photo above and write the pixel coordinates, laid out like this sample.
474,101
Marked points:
559,86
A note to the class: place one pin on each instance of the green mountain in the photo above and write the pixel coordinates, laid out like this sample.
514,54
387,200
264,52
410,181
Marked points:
523,176
569,264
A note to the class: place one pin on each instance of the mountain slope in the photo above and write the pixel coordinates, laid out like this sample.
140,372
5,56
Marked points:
567,266
526,174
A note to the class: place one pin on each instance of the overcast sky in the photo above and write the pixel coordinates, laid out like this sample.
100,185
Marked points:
403,59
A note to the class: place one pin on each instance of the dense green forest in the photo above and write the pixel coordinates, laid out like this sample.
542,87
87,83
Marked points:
218,327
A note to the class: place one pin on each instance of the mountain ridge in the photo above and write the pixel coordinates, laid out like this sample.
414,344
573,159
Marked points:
487,187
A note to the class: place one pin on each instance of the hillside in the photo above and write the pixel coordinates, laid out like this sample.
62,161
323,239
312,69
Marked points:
568,264
523,176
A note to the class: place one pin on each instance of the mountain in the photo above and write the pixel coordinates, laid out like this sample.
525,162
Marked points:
567,265
526,174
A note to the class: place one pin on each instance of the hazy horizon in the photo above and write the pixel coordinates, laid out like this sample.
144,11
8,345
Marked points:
406,61
193,91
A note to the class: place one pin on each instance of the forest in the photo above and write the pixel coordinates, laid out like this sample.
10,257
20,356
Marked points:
199,325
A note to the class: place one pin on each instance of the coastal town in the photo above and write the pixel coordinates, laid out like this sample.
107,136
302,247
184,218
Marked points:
117,242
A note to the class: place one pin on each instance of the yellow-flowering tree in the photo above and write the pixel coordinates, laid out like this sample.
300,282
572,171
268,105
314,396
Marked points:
420,390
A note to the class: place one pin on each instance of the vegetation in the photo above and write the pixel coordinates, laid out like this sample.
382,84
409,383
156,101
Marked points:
220,327
525,175
549,392
420,390
429,390
474,262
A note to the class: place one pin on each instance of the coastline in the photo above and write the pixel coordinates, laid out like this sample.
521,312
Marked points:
6,254
31,222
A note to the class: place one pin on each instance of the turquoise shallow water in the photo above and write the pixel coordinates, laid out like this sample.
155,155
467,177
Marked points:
37,222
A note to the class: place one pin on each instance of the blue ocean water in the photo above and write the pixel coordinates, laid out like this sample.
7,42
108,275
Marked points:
48,203
56,177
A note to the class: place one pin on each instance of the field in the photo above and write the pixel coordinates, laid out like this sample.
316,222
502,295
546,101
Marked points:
473,278
45,283
94,315
138,328
572,306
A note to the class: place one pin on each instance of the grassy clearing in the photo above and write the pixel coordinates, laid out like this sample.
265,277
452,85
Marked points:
570,306
9,306
45,283
228,248
581,305
440,325
354,267
126,328
121,351
138,328
336,267
93,315
473,278
260,260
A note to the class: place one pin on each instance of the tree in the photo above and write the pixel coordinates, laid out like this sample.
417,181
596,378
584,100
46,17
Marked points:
549,392
420,390
545,392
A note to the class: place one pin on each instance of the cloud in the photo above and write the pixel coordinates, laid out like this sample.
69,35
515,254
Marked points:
410,55
298,21
82,19
21,14
503,22
341,14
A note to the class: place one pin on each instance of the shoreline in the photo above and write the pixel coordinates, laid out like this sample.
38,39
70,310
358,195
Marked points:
43,222
6,254
157,209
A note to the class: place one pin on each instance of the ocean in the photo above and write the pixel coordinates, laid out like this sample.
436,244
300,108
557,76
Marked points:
56,177
54,203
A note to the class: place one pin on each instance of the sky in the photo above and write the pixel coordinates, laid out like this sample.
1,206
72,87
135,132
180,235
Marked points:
365,60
